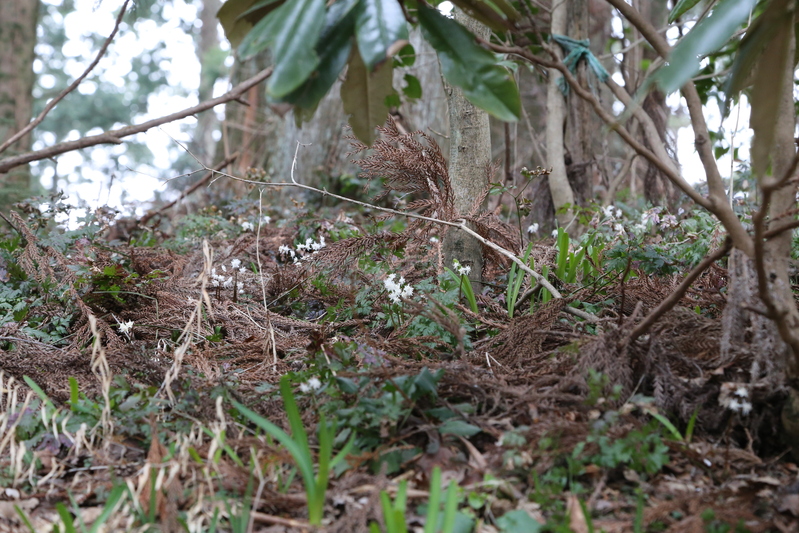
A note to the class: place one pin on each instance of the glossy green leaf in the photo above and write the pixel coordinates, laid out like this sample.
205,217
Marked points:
379,27
681,7
406,57
499,15
364,93
470,67
333,49
239,16
709,35
413,88
291,31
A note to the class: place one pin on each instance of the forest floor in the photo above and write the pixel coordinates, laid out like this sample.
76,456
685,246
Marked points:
544,421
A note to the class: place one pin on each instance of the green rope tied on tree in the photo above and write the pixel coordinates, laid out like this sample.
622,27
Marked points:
575,51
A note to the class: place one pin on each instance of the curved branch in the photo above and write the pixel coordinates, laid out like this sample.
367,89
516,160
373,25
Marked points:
52,103
115,136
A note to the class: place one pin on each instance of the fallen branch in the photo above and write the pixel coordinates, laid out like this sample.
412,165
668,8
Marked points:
115,136
52,103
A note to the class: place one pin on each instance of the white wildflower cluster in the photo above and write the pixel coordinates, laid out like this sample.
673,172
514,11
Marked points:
249,226
125,327
668,221
532,228
311,384
461,269
735,397
612,212
304,251
397,289
225,279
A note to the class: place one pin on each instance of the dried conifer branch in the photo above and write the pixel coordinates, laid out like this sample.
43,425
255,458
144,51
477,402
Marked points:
52,103
461,224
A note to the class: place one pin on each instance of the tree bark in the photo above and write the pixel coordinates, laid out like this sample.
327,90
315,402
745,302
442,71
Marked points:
211,69
469,161
562,194
18,20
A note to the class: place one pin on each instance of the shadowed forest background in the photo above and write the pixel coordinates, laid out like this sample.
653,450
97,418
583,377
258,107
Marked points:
387,266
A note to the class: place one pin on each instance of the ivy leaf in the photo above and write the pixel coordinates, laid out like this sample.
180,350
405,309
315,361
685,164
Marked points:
291,31
709,35
364,94
470,67
379,26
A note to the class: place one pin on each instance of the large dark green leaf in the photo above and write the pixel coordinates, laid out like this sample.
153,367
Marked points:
239,16
364,94
333,49
291,31
709,35
499,15
380,24
470,67
681,7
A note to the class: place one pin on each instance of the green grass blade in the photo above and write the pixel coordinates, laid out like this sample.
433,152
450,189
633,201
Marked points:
450,508
433,504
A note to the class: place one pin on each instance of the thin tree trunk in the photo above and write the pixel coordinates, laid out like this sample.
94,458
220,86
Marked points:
562,194
18,20
469,160
211,69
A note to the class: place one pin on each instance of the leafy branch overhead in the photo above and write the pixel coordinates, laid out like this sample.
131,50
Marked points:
311,43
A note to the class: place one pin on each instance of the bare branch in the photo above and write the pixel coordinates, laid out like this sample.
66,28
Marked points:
115,136
52,103
667,304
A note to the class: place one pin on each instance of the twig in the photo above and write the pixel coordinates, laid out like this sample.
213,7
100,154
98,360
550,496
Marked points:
461,224
52,103
30,341
205,179
680,291
115,136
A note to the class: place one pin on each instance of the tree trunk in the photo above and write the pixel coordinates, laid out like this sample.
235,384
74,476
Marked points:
579,134
469,160
212,67
562,194
17,40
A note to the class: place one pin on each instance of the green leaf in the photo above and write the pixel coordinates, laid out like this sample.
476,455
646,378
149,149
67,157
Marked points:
239,16
406,57
364,93
291,31
498,15
470,67
518,521
681,7
333,49
379,26
709,35
458,427
413,88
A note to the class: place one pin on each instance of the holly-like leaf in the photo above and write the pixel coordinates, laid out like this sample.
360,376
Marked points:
333,49
239,16
380,25
364,93
470,67
291,31
681,7
709,35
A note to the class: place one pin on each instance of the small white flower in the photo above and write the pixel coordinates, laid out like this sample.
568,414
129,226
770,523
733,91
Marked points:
228,283
555,233
608,211
314,383
224,268
213,271
532,228
242,270
680,211
741,392
434,239
746,408
407,291
247,226
236,263
735,405
125,327
266,219
618,213
215,282
618,228
240,285
304,387
461,269
284,249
